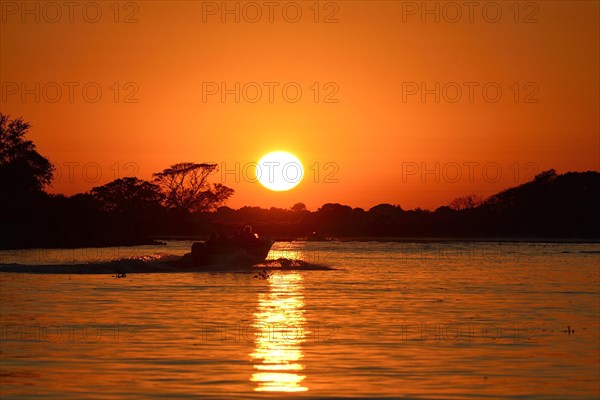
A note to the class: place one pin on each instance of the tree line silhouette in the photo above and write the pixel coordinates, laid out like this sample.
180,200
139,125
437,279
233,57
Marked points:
180,202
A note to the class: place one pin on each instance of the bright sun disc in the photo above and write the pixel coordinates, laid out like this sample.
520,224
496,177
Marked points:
279,171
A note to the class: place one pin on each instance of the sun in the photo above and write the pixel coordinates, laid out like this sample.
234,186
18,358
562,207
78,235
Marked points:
279,171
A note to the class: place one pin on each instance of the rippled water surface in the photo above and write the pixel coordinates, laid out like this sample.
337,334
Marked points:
411,320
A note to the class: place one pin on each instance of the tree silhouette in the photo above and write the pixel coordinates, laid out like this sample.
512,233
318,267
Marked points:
186,187
298,207
128,196
22,169
546,176
466,202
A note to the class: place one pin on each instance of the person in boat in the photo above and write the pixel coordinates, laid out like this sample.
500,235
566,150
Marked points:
247,239
212,239
223,240
248,232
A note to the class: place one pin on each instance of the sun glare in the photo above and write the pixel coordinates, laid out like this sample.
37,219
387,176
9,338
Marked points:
279,171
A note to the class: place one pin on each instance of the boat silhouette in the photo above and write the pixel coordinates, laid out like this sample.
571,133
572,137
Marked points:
230,253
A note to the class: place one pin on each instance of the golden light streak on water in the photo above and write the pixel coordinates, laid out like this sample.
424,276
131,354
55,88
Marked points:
279,323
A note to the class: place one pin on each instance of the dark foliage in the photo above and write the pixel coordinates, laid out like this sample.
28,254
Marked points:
22,168
187,188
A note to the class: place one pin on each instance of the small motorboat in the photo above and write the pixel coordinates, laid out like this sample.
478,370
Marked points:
230,254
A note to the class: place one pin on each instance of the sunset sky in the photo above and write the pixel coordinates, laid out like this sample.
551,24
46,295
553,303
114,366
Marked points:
362,120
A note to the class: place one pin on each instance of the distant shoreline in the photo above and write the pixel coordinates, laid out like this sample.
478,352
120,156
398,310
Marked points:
159,240
149,242
469,239
551,208
409,239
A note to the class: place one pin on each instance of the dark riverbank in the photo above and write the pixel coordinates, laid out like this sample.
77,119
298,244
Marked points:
550,208
159,241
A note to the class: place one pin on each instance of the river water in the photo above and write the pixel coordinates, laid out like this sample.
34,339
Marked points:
399,320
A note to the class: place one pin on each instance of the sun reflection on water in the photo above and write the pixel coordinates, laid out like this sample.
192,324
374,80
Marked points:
279,323
284,253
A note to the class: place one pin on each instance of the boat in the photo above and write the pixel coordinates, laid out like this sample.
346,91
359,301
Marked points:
228,254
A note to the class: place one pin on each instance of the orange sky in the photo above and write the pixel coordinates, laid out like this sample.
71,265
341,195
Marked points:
376,139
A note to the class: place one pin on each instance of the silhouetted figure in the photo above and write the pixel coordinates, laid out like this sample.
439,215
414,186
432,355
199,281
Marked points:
199,255
212,239
247,238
